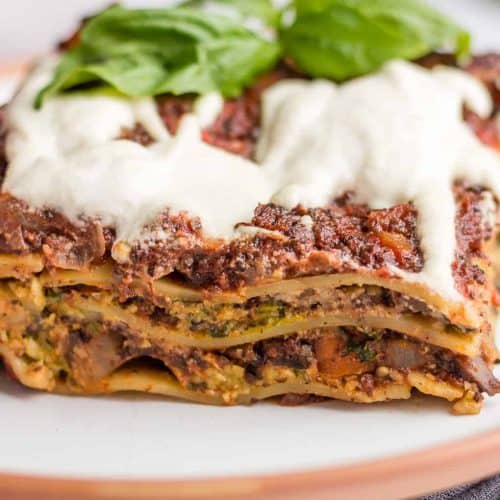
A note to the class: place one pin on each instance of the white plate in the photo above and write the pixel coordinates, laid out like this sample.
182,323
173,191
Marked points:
142,437
137,437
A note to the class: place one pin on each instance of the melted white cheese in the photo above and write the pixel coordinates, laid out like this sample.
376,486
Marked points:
208,107
66,156
392,137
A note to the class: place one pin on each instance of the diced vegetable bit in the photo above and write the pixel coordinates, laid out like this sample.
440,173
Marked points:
222,330
334,360
363,351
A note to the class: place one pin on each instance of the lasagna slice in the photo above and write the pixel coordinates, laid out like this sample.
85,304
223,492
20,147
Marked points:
351,298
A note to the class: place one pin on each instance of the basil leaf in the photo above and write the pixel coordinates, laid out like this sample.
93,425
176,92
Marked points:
152,51
341,39
260,9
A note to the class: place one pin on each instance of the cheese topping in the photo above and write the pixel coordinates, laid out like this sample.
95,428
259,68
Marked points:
391,137
66,156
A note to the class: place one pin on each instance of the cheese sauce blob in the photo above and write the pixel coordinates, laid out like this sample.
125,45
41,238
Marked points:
67,156
391,137
394,136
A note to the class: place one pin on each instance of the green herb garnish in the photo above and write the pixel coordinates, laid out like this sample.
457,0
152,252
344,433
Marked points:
154,51
185,49
341,39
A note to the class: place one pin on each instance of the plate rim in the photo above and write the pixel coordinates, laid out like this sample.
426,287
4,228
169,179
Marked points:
404,475
17,66
444,465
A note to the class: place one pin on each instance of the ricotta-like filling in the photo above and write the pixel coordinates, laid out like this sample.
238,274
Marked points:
394,136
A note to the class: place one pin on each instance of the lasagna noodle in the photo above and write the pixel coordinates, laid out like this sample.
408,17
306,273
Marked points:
143,378
463,314
20,266
81,306
424,329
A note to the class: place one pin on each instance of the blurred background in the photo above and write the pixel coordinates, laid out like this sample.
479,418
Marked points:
33,26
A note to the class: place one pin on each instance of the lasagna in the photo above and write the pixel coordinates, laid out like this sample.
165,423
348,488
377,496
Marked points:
308,239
